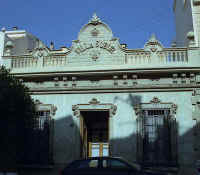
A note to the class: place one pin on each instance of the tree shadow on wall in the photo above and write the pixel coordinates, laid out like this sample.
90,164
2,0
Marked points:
66,139
126,146
132,100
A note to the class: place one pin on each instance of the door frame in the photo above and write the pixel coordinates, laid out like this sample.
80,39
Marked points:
94,105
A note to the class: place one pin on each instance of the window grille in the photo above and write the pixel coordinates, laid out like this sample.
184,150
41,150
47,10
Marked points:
42,120
156,137
39,150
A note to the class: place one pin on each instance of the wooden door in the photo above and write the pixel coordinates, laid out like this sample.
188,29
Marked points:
84,142
98,149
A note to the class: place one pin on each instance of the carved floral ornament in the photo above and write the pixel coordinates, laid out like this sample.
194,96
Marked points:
94,54
155,103
94,101
95,19
94,104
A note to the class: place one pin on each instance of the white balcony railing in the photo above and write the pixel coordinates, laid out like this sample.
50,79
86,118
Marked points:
55,61
24,62
167,56
140,58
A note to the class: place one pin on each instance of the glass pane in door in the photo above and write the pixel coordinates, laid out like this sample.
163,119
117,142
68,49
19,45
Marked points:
95,150
105,150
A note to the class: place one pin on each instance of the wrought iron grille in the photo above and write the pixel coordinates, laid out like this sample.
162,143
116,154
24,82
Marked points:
42,120
156,137
39,149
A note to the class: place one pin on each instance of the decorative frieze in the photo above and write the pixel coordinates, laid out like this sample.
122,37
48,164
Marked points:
135,80
56,79
183,78
192,78
125,82
74,82
115,77
175,78
65,81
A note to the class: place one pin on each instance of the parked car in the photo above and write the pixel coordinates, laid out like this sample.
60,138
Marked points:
103,166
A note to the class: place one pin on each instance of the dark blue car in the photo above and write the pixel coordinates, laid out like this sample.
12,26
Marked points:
103,166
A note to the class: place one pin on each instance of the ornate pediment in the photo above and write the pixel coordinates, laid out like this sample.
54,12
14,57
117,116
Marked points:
153,45
155,103
45,107
96,45
94,105
40,51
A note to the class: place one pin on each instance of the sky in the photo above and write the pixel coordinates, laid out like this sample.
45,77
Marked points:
132,21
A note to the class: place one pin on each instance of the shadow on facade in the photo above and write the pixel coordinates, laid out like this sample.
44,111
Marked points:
132,100
66,139
66,144
189,150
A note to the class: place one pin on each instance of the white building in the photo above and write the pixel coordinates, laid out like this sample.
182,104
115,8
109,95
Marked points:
107,99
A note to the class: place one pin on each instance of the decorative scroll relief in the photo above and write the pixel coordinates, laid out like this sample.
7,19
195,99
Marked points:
40,51
45,107
94,104
155,103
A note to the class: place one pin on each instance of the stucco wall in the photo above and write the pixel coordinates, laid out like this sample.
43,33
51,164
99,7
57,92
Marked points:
123,124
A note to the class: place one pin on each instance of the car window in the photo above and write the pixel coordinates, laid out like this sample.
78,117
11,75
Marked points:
88,164
114,164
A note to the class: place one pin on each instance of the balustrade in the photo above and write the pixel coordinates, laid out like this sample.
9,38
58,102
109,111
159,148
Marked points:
24,62
168,56
55,61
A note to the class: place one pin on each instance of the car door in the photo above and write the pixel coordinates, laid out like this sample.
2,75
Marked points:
116,167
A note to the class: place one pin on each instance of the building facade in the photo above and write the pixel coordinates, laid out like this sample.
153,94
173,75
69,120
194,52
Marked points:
100,98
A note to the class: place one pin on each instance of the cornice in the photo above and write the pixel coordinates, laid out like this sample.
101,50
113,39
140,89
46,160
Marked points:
108,72
111,91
